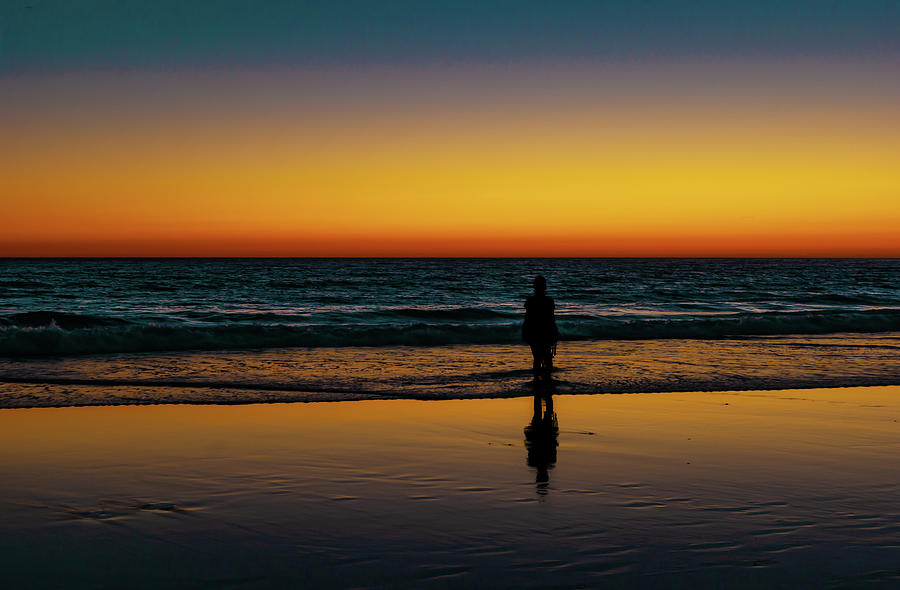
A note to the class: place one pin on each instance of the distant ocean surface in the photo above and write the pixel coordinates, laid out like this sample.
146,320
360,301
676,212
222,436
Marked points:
55,311
75,306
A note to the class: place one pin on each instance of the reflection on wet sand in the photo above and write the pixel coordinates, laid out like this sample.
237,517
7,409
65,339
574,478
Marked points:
692,490
541,433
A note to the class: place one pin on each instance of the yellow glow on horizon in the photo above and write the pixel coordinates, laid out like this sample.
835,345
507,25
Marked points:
657,175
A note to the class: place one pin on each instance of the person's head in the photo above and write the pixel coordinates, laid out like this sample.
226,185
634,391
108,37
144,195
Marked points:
540,284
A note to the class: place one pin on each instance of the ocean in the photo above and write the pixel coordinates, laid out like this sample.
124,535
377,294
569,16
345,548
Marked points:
95,331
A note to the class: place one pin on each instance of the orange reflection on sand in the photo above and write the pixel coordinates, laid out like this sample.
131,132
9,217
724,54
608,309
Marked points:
720,480
711,428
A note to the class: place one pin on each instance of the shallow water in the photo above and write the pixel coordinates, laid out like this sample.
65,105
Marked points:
445,372
752,489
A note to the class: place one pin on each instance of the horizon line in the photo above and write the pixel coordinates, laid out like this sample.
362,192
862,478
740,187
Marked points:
446,257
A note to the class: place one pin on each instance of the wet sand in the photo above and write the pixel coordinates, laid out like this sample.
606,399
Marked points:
450,372
790,488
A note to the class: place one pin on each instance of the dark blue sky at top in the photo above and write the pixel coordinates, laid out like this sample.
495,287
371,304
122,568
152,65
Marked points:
53,35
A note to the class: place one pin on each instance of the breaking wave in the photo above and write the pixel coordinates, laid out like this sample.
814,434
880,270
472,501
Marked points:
43,333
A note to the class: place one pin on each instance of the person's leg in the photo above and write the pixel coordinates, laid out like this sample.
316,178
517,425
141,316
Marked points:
547,360
536,353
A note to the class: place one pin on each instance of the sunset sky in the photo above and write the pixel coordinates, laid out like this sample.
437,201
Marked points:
466,128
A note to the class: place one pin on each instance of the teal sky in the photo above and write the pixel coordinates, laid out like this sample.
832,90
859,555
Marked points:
53,35
157,127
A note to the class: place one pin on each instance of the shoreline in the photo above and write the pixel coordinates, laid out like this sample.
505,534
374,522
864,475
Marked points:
316,397
450,372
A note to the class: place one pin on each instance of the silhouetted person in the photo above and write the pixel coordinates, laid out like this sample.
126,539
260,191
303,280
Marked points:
540,438
539,330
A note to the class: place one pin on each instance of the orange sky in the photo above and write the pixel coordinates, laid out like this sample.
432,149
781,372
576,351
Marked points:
715,159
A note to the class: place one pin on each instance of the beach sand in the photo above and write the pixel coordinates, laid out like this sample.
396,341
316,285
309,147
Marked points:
789,488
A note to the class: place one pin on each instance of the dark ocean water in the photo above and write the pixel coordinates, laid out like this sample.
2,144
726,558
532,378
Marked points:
85,306
116,331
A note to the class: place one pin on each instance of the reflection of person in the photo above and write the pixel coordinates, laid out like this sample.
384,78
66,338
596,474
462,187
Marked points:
540,439
539,329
